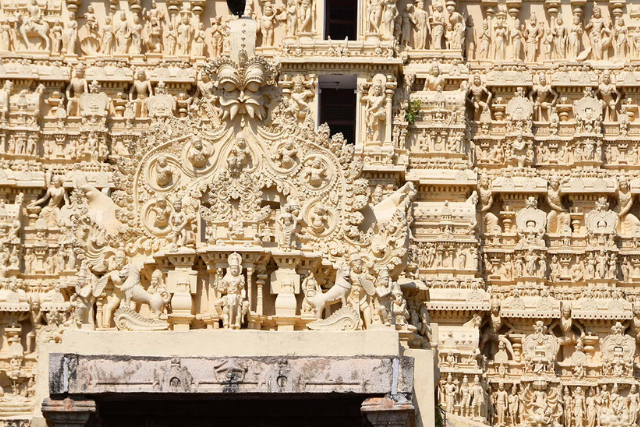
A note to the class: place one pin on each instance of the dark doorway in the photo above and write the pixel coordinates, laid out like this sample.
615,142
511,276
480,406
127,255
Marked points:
341,411
338,105
341,19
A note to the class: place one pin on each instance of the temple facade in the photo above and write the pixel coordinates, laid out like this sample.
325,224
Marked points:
345,213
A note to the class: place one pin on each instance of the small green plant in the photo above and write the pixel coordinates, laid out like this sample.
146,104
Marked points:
412,111
441,416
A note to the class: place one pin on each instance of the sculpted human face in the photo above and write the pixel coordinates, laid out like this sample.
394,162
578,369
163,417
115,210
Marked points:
476,80
120,259
235,270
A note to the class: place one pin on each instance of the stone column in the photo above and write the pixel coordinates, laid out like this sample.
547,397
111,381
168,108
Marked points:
384,412
68,412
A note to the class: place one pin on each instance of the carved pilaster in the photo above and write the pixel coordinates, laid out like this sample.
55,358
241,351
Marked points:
385,412
68,412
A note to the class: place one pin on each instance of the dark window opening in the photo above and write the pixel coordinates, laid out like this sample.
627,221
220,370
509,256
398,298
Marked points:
338,110
341,19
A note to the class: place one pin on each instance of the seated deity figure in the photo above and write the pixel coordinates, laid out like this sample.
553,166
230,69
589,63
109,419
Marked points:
55,197
198,153
233,303
164,172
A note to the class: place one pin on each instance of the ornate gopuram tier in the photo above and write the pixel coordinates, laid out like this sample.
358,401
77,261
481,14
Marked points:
319,212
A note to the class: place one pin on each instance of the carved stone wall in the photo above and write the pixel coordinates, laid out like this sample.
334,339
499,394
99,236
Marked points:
161,169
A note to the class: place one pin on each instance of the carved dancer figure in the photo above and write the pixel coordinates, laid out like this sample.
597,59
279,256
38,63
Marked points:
492,325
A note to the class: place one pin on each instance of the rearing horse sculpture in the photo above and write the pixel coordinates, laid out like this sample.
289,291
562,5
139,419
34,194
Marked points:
33,27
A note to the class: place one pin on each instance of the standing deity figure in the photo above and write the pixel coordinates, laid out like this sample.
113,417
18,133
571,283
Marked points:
6,35
420,20
500,39
574,41
610,96
76,87
477,90
290,15
375,111
450,394
91,20
437,27
620,37
539,96
382,298
389,18
516,40
217,36
470,39
55,197
362,289
5,95
199,40
172,38
70,35
559,38
406,18
485,41
57,36
500,402
305,16
185,33
136,36
108,36
142,90
180,235
599,35
123,34
288,223
375,16
532,33
267,22
232,301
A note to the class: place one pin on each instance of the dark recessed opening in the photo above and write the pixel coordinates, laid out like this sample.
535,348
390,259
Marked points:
338,110
335,411
341,19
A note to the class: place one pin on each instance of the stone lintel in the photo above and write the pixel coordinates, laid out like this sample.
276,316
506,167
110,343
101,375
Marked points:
96,374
